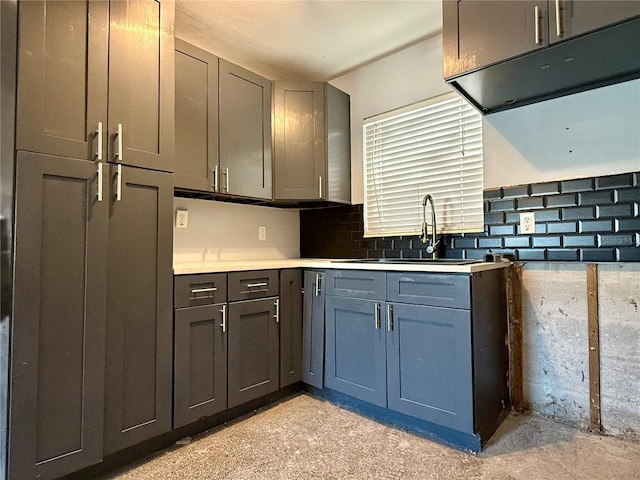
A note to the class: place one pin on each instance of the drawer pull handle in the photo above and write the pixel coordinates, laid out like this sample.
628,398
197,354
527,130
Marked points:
204,290
390,318
536,14
377,316
224,319
254,285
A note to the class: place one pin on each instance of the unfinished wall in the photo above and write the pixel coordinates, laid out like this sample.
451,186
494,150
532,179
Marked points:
555,343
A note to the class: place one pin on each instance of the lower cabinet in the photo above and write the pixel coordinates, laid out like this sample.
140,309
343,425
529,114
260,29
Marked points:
254,363
313,328
290,316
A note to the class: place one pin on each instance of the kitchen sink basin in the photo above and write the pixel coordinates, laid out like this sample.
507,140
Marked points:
411,261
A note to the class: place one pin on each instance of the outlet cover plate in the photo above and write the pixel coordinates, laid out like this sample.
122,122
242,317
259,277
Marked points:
262,232
527,222
182,218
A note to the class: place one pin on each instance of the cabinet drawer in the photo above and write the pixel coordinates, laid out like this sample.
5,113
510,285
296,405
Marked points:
439,290
356,283
201,289
253,284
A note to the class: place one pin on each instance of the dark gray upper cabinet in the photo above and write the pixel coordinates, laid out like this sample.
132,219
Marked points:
196,119
290,316
313,329
58,337
245,132
71,54
138,401
312,149
505,54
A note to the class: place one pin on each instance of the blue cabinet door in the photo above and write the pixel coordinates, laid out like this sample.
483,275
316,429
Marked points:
355,348
313,329
429,363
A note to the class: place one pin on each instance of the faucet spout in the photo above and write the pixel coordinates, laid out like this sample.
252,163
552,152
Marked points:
432,242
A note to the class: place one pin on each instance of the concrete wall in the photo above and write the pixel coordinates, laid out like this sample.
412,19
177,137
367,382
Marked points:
219,231
589,134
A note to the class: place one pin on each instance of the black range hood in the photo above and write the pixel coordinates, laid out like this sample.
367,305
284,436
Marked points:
604,57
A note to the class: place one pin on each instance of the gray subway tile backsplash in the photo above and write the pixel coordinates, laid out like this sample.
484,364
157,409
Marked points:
589,220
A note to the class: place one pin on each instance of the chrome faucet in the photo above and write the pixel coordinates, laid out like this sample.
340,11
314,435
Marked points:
432,243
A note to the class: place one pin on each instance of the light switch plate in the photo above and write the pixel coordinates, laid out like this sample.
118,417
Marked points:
528,222
262,232
182,218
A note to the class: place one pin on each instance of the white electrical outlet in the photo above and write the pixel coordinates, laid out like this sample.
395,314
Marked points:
182,218
262,232
528,222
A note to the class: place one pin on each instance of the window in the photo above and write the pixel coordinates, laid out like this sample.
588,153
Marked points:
431,147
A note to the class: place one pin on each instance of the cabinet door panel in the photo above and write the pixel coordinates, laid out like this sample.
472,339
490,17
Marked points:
200,364
62,87
429,361
196,117
57,380
141,83
355,349
578,17
290,327
299,140
139,315
313,329
253,350
245,132
471,25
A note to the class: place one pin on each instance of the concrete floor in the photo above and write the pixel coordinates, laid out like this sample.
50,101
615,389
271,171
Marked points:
306,438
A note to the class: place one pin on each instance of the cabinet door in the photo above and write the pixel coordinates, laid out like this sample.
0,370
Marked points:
253,350
290,317
338,169
139,309
57,377
245,132
200,363
482,32
299,147
582,16
355,349
62,77
141,83
429,365
313,329
196,118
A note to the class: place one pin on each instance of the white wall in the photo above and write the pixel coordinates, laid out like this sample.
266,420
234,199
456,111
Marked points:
219,231
587,134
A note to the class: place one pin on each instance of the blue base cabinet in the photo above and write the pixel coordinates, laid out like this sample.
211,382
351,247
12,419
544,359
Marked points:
429,347
313,328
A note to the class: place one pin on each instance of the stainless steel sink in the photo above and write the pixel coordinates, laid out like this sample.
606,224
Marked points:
411,261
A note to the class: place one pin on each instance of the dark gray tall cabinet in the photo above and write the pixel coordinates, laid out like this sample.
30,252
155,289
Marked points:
93,233
196,119
290,327
245,132
312,149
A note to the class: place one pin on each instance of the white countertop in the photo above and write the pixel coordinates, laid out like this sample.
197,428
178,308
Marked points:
234,266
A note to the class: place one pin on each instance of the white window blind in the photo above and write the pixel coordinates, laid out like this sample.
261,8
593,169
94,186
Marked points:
432,147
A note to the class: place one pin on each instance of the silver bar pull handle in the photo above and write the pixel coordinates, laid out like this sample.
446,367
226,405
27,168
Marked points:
99,181
226,179
204,290
99,140
536,13
377,316
224,318
558,19
390,317
259,284
215,179
318,287
277,315
320,187
120,143
119,183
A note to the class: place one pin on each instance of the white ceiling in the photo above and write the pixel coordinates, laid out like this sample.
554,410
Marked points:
305,39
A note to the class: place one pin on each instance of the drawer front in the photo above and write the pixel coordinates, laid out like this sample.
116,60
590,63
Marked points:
201,289
253,284
439,290
356,283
